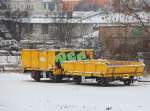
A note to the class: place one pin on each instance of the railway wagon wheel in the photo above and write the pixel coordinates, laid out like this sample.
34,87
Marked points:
127,82
36,75
103,81
57,78
77,79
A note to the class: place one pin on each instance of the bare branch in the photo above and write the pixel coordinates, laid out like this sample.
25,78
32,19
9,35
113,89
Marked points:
136,15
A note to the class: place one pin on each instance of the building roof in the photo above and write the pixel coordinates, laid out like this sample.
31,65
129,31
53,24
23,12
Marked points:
92,18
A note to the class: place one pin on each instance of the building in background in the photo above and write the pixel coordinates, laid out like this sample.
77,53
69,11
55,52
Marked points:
124,41
85,5
41,7
43,21
26,18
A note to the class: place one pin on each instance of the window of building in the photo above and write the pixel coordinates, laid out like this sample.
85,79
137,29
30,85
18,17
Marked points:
29,28
28,7
51,6
15,7
45,6
44,28
32,7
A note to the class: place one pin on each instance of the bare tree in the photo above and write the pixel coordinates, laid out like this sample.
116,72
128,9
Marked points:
64,29
129,45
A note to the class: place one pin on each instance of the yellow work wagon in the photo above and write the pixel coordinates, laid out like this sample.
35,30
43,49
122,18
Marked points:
48,63
104,71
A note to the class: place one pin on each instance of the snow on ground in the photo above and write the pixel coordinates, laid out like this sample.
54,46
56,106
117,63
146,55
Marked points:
18,92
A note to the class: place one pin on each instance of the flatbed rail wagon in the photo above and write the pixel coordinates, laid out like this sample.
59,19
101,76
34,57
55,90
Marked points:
104,71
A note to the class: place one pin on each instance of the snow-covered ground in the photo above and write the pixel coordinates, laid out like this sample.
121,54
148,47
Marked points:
18,92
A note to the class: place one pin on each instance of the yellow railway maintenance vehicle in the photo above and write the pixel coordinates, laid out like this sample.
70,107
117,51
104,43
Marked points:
48,63
104,71
56,64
